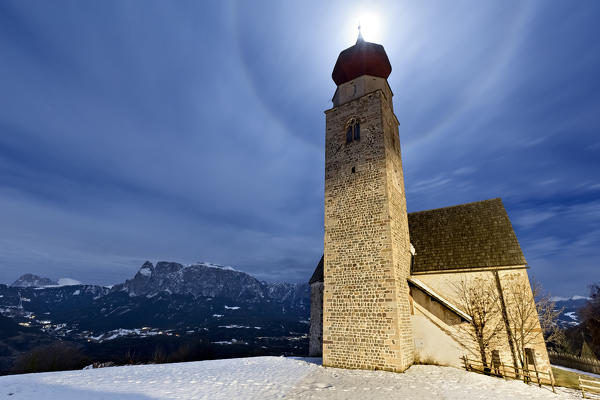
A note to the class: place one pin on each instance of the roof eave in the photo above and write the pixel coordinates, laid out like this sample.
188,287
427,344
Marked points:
470,269
440,299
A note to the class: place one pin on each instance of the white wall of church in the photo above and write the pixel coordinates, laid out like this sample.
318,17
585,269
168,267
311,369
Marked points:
443,284
434,346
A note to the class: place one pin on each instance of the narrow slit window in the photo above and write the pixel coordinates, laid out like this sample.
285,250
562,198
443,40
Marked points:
357,131
349,134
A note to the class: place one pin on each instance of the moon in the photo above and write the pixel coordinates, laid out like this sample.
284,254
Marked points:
370,26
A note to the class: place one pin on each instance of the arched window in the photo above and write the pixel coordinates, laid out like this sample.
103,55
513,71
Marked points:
352,130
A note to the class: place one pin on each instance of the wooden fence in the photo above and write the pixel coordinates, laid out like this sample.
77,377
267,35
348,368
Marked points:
589,387
571,361
510,372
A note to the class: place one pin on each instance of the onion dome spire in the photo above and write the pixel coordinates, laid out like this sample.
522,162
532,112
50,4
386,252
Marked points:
364,58
360,38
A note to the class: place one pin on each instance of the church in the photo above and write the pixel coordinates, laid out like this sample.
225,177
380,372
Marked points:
387,291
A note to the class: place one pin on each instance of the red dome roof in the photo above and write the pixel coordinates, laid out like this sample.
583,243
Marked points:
363,58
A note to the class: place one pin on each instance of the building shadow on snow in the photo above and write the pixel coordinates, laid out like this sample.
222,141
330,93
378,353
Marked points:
311,360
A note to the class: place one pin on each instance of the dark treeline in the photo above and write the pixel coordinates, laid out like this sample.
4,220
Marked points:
69,355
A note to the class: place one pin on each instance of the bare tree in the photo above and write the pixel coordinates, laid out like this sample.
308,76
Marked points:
532,315
478,298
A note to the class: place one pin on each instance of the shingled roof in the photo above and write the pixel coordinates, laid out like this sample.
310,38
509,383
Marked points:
472,235
317,276
467,236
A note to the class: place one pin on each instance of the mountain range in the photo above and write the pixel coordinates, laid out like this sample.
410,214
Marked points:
217,304
168,295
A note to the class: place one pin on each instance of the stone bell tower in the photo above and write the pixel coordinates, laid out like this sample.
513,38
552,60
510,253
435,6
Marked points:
366,310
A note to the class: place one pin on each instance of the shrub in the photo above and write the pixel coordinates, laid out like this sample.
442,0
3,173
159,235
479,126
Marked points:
58,356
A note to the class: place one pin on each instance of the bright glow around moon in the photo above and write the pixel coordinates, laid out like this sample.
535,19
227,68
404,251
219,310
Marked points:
371,26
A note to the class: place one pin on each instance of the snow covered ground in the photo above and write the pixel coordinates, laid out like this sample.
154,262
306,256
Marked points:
266,378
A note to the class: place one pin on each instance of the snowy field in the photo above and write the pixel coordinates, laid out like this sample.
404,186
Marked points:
266,378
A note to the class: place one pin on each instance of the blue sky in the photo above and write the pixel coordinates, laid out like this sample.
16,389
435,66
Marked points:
194,131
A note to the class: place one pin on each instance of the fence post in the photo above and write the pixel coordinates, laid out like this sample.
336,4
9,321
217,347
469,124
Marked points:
525,373
537,375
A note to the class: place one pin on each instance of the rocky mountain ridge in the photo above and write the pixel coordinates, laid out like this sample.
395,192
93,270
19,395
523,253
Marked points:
202,279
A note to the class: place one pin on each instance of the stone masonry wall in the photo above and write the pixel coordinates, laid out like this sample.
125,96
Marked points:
366,315
315,346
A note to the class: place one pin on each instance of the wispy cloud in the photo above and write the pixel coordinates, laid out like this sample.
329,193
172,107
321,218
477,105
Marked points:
428,184
530,218
464,171
545,246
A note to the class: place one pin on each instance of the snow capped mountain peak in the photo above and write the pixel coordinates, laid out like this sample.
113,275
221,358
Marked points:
146,269
211,265
32,280
67,282
35,281
580,298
